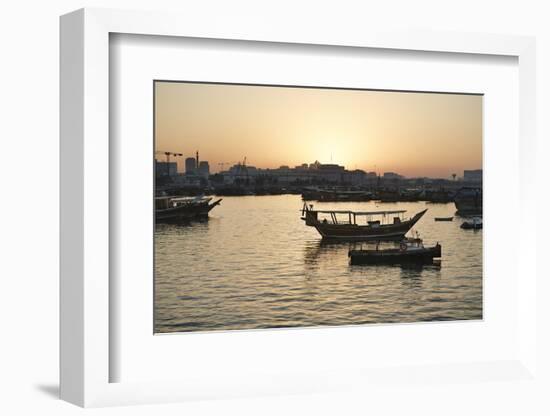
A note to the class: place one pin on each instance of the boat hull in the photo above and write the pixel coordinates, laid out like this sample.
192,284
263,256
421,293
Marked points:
336,196
185,212
357,232
469,201
354,232
471,226
421,256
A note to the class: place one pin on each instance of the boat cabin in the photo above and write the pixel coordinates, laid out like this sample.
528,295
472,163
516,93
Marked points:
163,202
339,217
168,202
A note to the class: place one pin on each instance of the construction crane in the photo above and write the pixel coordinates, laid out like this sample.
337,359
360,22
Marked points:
222,164
168,154
241,165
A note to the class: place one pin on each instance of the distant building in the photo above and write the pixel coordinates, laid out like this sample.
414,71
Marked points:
166,169
190,166
355,177
313,173
392,175
331,172
473,175
204,169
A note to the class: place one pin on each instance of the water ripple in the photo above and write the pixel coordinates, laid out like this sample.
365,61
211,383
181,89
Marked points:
254,264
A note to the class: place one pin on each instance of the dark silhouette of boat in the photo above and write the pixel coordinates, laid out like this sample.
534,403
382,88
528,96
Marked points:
439,196
400,195
443,218
170,208
233,191
336,195
476,223
410,251
344,225
469,201
344,196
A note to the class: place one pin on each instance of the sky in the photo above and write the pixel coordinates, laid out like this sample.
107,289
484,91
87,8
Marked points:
413,134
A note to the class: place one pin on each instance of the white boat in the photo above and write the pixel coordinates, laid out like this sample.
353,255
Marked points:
476,223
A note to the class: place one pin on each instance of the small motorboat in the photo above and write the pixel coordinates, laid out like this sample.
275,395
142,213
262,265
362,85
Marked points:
410,250
475,223
443,218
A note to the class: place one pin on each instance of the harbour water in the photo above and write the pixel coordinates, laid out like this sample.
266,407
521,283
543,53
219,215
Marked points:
254,264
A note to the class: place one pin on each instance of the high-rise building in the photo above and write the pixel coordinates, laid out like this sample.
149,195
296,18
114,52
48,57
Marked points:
204,169
165,168
190,166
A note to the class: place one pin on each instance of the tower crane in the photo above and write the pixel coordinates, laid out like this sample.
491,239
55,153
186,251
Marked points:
168,154
223,164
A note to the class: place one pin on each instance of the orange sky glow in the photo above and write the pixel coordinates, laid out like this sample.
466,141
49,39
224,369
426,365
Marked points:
414,134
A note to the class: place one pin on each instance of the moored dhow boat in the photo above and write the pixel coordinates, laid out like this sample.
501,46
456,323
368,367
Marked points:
443,218
346,225
344,196
469,201
170,208
335,195
410,251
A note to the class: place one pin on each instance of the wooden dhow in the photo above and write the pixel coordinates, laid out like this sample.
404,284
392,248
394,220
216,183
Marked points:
170,208
356,225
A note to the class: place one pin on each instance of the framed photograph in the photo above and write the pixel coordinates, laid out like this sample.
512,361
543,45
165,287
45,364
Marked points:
267,212
253,263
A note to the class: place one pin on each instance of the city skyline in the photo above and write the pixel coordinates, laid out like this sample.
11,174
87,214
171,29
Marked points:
183,169
413,134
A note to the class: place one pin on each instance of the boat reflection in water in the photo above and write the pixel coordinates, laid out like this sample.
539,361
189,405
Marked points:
324,251
316,250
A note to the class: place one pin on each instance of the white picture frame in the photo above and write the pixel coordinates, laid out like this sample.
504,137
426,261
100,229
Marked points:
85,217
